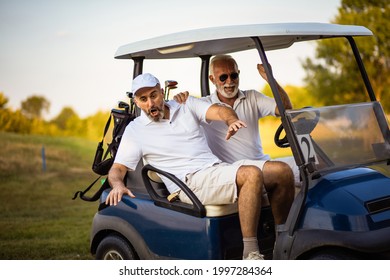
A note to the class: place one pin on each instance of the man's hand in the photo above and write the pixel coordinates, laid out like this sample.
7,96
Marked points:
217,112
181,97
115,178
233,128
260,68
115,195
283,94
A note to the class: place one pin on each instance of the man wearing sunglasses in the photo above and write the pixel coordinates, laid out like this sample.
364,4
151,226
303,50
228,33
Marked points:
250,106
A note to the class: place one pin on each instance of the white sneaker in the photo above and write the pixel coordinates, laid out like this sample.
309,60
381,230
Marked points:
254,256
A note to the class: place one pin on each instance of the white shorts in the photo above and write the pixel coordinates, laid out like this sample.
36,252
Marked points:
216,185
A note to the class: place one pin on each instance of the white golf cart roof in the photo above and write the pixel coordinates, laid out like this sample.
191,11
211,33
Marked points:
229,39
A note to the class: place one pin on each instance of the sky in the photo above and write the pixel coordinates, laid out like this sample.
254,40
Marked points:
64,50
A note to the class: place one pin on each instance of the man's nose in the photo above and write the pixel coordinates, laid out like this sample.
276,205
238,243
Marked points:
229,80
150,102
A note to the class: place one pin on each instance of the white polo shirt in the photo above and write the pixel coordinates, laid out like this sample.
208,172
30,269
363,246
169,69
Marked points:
246,143
177,145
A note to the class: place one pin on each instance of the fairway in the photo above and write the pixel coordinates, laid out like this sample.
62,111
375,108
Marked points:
39,219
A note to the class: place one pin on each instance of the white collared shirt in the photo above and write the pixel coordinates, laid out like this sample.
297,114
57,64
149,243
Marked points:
177,145
250,106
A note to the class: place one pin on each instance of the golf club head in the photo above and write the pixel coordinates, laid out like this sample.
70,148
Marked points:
170,84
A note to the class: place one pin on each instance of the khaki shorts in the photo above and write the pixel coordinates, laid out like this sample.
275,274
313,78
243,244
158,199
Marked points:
215,185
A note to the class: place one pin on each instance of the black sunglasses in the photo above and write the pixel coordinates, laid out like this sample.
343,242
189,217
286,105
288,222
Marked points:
224,77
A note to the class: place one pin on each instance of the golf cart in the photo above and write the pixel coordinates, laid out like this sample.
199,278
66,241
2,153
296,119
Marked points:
342,210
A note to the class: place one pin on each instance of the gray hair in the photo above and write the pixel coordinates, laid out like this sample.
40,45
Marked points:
221,57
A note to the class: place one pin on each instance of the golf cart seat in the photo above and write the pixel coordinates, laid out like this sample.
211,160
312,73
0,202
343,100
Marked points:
216,210
155,184
145,180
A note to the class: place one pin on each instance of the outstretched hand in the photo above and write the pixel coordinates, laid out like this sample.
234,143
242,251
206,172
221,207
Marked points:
234,127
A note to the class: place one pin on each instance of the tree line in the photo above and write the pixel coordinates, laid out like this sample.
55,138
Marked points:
28,119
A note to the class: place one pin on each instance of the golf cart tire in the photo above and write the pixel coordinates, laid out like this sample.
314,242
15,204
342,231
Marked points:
114,247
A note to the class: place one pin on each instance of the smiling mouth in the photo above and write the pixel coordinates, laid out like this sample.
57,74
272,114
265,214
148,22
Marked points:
230,88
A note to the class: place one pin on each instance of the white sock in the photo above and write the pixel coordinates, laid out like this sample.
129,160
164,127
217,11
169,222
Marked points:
250,245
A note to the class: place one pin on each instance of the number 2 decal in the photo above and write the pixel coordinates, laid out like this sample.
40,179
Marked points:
307,148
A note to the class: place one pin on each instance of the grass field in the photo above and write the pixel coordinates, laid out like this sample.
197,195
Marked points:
38,218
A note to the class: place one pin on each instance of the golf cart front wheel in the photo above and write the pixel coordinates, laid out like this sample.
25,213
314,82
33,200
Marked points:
114,247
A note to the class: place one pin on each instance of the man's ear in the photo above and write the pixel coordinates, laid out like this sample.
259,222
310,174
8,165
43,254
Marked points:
211,78
136,101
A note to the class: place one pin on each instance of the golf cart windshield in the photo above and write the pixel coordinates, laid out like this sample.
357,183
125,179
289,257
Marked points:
337,137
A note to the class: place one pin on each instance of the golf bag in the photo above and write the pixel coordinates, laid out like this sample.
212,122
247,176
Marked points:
103,160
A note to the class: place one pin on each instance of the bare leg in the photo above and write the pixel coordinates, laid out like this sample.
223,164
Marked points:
279,183
249,181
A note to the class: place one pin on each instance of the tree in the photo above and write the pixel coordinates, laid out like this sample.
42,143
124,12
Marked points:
3,101
299,96
34,106
336,72
63,118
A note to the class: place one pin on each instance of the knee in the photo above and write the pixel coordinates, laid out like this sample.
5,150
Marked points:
277,172
286,169
250,174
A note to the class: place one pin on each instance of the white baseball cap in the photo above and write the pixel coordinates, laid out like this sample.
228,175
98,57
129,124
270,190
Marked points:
144,80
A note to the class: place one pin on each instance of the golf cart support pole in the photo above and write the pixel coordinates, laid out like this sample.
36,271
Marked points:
204,75
362,69
137,70
138,65
278,99
291,222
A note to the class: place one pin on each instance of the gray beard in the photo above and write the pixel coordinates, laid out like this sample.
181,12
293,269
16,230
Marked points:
229,95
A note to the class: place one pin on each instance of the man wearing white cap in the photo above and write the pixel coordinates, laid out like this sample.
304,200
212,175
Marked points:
168,136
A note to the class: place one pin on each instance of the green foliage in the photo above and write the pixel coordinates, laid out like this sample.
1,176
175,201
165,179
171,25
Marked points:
3,101
34,106
64,118
334,77
67,123
94,126
300,97
14,121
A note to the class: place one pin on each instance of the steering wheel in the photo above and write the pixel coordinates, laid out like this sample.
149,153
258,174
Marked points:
281,143
304,123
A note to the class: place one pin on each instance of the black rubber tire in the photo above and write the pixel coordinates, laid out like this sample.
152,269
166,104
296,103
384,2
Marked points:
114,247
